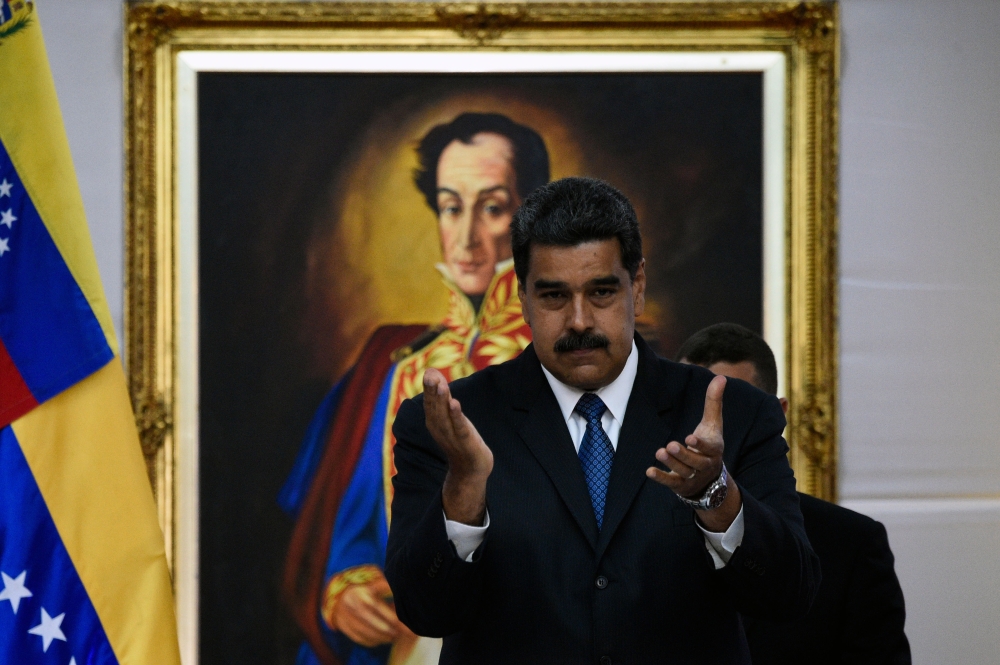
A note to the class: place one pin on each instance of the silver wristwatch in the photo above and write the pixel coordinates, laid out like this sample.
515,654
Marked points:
714,494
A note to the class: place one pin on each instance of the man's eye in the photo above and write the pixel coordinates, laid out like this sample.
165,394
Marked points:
450,210
493,209
550,295
604,293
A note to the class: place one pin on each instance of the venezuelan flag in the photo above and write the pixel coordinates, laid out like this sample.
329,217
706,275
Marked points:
83,574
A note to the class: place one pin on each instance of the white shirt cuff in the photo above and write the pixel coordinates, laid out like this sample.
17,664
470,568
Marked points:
722,545
467,538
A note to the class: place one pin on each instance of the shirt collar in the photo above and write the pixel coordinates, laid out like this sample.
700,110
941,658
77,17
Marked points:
614,395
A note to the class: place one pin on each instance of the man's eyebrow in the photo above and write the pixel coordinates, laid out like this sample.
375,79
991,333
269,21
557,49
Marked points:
549,284
482,192
490,190
610,280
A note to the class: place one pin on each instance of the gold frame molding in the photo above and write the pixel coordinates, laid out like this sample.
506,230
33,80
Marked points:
807,33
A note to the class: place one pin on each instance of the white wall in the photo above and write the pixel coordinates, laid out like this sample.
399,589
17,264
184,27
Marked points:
920,264
920,326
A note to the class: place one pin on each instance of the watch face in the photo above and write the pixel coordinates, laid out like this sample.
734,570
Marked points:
718,495
714,494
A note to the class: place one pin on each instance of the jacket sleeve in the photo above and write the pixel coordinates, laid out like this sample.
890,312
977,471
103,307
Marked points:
774,573
436,593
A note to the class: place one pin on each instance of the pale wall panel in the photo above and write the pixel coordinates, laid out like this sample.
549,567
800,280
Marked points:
946,563
920,248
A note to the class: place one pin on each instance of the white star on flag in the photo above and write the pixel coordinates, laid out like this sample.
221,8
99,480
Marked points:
49,629
13,588
7,217
3,250
5,187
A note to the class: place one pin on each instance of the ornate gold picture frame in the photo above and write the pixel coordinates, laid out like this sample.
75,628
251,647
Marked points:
171,46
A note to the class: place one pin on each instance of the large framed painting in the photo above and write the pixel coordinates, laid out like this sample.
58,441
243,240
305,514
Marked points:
318,207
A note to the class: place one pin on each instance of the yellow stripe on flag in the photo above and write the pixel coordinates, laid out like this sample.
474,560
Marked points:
31,128
84,452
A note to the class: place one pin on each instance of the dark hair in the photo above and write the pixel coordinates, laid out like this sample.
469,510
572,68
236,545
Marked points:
572,211
732,343
531,159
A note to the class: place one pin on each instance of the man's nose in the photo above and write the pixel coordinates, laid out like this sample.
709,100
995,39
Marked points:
581,318
468,229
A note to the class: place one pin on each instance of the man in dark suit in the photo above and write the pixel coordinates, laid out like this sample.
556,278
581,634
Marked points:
858,615
589,502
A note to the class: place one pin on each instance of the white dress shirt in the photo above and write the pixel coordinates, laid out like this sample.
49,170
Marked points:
615,396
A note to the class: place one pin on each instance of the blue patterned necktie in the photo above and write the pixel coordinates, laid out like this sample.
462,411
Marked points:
596,452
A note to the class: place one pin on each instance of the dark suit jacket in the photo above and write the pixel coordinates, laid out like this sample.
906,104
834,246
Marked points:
858,615
546,586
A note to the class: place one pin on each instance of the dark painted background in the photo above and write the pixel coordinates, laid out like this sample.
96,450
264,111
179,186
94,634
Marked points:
688,145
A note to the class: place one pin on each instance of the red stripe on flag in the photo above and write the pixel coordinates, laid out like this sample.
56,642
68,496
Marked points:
15,398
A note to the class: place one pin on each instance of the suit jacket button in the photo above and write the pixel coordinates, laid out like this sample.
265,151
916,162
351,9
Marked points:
605,660
602,582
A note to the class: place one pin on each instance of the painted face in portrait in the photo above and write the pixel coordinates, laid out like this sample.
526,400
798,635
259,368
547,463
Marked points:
476,200
581,305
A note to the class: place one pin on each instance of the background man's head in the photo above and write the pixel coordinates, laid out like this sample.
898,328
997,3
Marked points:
734,351
474,173
581,278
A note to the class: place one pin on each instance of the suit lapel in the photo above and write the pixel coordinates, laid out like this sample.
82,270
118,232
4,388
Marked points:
544,432
645,430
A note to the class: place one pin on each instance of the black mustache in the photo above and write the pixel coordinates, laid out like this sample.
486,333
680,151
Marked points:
580,341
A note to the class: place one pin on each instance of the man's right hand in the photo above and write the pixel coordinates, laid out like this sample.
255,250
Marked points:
470,461
365,617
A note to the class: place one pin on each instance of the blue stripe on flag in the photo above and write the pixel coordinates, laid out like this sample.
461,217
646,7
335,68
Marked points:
46,323
39,579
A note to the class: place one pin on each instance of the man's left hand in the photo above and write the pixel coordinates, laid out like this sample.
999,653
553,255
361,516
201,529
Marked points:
697,464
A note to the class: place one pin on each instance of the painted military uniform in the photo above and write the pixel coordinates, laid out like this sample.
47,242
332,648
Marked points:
340,487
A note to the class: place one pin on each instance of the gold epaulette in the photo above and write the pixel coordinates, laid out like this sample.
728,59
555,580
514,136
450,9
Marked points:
422,340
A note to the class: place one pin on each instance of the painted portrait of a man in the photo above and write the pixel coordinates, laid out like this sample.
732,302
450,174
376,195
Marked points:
473,173
355,231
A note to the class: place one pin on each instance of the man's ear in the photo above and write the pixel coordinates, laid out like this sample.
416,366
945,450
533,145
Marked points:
784,404
639,289
522,296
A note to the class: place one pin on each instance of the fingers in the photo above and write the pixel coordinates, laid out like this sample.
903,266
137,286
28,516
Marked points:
459,423
365,618
380,587
683,461
668,478
435,384
466,451
712,416
688,471
437,407
365,633
693,466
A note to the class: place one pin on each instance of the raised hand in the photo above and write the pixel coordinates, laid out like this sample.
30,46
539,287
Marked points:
470,461
698,463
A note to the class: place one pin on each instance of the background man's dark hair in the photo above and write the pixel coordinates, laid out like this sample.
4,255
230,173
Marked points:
732,343
572,211
531,159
